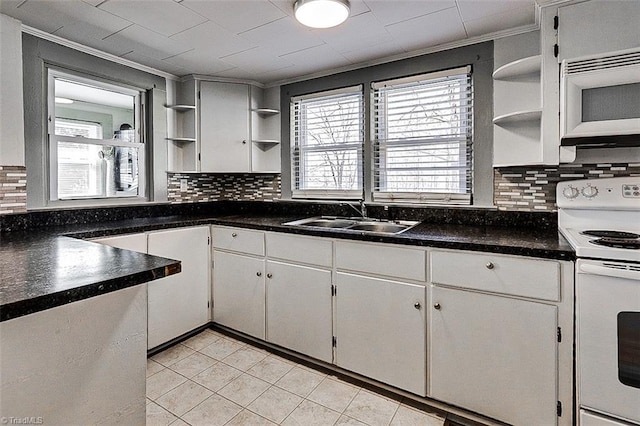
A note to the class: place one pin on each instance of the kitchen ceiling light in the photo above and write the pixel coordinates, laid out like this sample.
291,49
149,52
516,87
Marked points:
63,100
321,13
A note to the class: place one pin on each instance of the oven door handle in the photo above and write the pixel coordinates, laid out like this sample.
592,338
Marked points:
589,268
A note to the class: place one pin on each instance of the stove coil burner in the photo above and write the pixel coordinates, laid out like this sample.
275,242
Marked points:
617,235
622,243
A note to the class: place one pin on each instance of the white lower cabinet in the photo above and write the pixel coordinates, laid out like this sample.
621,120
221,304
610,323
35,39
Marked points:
179,303
299,315
381,330
238,292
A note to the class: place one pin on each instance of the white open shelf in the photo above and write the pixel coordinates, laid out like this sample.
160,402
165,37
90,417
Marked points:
266,141
181,108
518,117
183,140
524,66
267,111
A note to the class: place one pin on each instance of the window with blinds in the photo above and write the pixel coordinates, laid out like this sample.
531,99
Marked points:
327,134
423,138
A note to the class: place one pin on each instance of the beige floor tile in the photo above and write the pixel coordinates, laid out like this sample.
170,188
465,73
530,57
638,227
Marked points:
407,416
271,369
184,398
333,394
158,416
153,367
275,404
371,408
201,340
311,414
244,389
221,348
299,381
193,364
172,355
217,376
244,358
349,421
162,382
214,411
247,418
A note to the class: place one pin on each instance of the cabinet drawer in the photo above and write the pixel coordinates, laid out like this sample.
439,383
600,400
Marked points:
236,239
381,259
312,250
535,278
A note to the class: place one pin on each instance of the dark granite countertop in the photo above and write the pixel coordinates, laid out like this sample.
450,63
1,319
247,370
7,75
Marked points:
40,271
44,261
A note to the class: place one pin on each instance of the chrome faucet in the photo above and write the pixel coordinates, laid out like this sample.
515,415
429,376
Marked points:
361,212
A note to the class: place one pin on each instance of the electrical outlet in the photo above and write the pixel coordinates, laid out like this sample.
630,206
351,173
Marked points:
183,185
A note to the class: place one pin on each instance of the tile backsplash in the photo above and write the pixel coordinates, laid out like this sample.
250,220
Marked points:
203,187
533,188
13,189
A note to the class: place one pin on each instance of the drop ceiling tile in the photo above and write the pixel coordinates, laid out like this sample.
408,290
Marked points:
501,21
165,17
373,53
257,59
236,16
93,2
142,41
428,30
359,32
474,9
43,15
88,23
157,64
200,61
217,40
285,35
391,12
317,58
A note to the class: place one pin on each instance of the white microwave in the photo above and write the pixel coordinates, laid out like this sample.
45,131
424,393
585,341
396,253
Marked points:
600,100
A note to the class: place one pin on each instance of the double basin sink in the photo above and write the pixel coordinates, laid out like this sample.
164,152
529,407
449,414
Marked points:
356,224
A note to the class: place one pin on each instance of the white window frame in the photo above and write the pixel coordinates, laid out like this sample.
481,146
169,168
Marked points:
378,115
53,139
297,170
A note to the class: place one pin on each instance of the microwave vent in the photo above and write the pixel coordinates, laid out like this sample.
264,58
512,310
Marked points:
602,63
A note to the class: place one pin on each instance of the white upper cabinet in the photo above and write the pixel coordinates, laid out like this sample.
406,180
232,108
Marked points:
612,26
224,127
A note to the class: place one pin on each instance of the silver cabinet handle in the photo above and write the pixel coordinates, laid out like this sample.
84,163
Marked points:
234,235
269,275
417,305
436,306
490,265
259,274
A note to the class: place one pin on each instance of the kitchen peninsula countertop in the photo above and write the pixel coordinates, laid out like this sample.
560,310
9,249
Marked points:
46,267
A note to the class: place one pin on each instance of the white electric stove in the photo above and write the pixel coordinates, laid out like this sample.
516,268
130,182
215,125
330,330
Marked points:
601,220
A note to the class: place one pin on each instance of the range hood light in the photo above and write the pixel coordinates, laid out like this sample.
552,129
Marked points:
321,13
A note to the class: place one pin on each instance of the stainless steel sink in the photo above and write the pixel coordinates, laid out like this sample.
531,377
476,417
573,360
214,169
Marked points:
356,224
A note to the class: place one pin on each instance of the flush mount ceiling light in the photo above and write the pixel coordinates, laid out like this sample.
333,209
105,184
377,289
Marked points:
321,13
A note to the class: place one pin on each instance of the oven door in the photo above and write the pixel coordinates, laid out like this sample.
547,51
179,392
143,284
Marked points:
609,337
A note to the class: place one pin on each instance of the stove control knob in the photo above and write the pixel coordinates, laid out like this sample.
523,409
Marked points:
590,191
570,192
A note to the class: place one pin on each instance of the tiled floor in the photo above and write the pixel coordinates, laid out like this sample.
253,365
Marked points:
212,379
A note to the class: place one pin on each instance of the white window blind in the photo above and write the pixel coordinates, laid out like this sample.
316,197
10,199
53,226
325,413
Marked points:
327,137
423,134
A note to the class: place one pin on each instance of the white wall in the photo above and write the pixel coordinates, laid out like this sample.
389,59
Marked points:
11,106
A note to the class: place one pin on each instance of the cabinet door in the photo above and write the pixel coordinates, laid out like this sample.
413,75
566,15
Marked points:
238,292
494,355
133,242
299,309
179,303
381,330
224,127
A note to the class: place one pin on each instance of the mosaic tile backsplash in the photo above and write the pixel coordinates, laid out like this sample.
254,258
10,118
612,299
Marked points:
13,189
203,187
534,188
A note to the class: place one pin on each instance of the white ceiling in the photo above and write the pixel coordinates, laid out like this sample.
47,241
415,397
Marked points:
259,39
